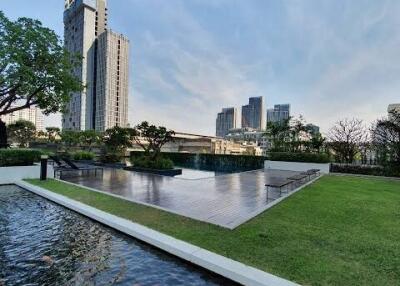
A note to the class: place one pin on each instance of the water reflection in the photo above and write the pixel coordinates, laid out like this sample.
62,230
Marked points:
44,244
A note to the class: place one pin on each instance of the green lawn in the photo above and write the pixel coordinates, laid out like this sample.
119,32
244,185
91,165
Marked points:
337,231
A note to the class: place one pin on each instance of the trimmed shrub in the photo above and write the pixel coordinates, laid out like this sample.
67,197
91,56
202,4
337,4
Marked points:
299,157
18,157
158,164
83,155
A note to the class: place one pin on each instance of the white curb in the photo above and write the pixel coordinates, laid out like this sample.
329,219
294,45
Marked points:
221,265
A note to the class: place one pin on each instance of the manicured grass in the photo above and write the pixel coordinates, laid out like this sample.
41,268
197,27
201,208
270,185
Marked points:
337,231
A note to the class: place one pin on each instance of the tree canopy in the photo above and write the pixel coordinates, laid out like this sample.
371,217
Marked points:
21,132
117,139
386,138
151,138
35,69
346,137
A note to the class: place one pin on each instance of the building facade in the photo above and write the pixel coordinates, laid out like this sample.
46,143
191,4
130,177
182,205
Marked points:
226,120
253,114
112,81
279,113
32,114
245,135
104,68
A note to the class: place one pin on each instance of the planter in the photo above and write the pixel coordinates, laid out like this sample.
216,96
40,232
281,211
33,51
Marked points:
169,172
296,166
10,175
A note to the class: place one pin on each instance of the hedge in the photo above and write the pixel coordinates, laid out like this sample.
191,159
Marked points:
386,171
18,157
217,162
299,157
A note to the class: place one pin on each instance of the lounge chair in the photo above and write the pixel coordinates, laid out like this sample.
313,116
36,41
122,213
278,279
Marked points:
70,166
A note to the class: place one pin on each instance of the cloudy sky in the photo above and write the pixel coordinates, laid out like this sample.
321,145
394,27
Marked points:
189,58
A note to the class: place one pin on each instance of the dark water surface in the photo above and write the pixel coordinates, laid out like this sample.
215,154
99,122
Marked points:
42,243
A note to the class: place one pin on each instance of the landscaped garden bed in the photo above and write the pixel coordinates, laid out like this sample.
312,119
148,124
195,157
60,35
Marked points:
340,230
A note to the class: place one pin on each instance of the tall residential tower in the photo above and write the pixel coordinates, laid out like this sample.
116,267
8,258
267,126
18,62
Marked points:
253,114
104,70
226,120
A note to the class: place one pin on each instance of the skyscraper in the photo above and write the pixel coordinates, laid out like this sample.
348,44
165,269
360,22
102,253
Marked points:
279,113
253,114
226,120
104,70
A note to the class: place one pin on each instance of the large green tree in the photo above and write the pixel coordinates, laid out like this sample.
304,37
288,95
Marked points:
21,132
117,138
151,138
35,69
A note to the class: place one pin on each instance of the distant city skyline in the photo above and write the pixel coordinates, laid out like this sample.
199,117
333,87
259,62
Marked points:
325,58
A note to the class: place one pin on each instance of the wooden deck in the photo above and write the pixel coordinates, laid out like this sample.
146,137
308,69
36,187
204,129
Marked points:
226,200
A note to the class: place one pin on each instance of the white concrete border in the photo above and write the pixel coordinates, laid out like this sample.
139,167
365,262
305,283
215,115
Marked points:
297,166
216,263
10,175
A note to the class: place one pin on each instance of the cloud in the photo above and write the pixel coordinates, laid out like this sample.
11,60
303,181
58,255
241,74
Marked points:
190,58
186,80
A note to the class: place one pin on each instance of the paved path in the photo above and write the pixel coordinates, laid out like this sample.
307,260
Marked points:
226,200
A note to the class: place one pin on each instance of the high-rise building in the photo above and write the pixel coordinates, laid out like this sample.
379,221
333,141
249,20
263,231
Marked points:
226,120
279,113
253,114
104,70
32,114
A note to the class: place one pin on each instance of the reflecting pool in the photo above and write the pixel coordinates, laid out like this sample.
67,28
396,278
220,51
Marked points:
42,243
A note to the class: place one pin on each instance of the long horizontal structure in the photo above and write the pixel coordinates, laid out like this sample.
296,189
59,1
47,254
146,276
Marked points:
227,200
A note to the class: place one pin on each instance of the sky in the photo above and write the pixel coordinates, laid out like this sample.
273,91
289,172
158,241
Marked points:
330,59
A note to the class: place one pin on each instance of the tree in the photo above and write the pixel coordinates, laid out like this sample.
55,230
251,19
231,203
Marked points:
117,139
297,128
317,142
22,132
70,137
89,137
345,138
386,137
151,138
35,69
52,133
279,133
